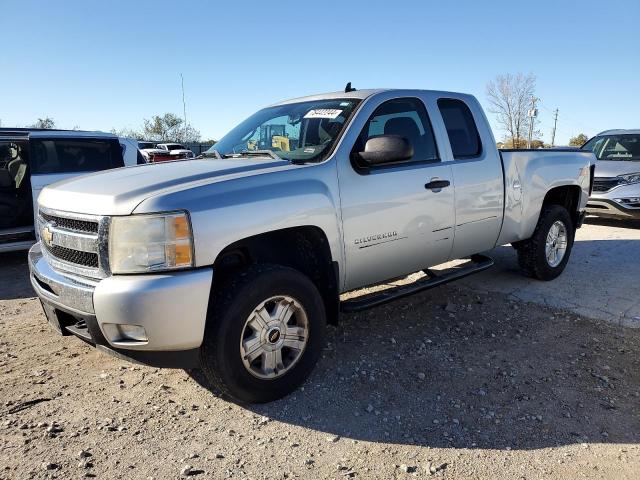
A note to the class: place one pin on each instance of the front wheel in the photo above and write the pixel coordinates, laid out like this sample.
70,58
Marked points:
545,255
264,333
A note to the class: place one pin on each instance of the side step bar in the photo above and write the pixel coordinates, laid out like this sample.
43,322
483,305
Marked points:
16,246
477,263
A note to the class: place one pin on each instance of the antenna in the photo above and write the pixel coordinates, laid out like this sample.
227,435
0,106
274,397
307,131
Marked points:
349,88
184,108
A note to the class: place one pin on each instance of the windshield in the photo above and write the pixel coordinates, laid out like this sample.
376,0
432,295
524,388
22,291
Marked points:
301,132
615,147
175,146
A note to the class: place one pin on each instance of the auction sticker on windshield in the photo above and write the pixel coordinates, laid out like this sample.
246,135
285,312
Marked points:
323,113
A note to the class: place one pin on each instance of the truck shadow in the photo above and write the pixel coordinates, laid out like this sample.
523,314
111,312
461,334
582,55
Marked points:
14,276
452,368
457,367
610,222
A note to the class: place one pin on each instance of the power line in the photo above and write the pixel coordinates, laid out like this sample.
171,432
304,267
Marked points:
584,125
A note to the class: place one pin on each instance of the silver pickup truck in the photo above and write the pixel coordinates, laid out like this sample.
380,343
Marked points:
233,263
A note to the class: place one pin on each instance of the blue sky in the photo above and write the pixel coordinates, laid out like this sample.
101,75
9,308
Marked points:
99,65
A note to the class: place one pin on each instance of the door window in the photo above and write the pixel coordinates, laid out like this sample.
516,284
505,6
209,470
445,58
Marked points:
75,155
461,128
408,118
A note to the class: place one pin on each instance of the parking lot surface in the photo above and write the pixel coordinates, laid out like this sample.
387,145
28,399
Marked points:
494,377
601,279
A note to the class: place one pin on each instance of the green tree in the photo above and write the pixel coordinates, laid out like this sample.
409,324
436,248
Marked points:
46,122
169,128
521,143
578,140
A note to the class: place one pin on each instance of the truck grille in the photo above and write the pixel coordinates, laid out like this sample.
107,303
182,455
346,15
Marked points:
604,184
71,243
86,259
72,223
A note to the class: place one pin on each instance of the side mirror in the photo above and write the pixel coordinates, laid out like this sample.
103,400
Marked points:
386,149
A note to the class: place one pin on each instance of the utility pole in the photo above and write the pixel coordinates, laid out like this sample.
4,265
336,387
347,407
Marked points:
555,123
184,108
532,114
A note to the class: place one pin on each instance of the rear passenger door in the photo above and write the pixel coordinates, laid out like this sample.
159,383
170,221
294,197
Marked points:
393,222
477,174
56,159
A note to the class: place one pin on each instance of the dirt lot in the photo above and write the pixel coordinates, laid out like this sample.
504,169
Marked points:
451,383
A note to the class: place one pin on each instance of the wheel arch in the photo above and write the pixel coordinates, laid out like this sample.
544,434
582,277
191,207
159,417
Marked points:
304,248
567,196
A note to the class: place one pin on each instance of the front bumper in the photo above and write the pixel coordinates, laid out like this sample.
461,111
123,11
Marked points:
604,207
616,203
170,307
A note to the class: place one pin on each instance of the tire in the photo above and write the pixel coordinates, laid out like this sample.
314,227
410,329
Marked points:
532,253
233,324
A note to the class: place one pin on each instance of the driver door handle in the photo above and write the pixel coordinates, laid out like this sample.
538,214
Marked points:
437,184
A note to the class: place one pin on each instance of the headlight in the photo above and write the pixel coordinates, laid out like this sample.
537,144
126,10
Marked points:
630,178
147,243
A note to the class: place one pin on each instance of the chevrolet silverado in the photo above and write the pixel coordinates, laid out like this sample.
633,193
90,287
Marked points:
235,262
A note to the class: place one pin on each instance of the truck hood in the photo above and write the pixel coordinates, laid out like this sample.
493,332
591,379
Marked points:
613,168
119,191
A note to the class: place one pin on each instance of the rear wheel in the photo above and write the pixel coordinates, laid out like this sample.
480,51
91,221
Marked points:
264,334
545,255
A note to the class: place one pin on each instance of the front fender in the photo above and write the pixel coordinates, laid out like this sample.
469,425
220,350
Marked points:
225,212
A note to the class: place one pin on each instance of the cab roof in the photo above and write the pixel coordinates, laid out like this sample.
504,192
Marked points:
363,94
620,131
357,94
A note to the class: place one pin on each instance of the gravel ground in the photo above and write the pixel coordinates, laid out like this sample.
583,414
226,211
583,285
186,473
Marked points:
597,283
451,383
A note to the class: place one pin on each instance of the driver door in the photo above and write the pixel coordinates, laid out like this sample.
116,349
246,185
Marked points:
393,223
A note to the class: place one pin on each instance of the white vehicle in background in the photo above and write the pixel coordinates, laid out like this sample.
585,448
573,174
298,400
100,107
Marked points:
176,149
149,149
616,185
32,159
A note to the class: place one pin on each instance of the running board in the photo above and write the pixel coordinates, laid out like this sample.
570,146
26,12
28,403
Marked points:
476,264
16,234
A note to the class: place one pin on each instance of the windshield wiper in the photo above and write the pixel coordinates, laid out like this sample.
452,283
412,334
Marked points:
257,153
210,154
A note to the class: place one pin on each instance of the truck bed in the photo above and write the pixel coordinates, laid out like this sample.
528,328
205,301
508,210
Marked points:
528,176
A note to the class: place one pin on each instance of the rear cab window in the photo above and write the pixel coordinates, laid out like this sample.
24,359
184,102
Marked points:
461,128
75,155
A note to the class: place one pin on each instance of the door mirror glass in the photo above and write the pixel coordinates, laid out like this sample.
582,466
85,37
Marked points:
386,149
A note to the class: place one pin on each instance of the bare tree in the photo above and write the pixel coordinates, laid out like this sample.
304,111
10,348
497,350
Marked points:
510,99
128,133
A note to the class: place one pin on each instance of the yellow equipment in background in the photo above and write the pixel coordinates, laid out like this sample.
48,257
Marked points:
280,142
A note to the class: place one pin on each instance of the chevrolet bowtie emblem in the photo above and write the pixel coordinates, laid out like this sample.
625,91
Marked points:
47,235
